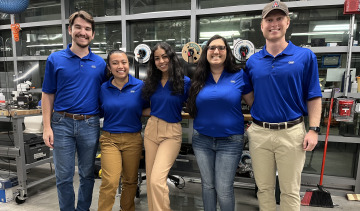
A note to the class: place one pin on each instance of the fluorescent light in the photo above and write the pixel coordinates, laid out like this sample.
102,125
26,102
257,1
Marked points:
332,27
152,40
99,43
44,45
204,35
316,33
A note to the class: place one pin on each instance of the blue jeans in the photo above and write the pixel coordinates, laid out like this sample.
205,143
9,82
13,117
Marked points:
70,137
217,159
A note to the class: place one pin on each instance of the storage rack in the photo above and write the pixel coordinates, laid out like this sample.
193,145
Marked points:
18,151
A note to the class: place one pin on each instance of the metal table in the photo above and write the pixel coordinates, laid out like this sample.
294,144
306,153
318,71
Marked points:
18,151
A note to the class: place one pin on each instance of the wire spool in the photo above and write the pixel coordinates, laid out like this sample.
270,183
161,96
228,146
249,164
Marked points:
13,6
191,52
243,49
142,53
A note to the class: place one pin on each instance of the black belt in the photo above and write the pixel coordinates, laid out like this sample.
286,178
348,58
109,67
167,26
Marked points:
75,116
280,125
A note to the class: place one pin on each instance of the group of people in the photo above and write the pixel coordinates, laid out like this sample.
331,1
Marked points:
280,83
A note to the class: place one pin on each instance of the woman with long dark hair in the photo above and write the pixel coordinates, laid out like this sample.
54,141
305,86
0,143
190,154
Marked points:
216,92
166,88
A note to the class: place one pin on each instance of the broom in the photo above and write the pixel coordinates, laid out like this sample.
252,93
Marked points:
320,197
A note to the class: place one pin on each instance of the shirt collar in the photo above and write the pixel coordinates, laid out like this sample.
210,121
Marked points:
289,50
129,83
70,54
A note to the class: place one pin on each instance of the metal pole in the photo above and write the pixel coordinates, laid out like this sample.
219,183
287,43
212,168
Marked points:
348,64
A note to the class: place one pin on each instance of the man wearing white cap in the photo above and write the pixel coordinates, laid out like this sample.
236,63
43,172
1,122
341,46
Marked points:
286,88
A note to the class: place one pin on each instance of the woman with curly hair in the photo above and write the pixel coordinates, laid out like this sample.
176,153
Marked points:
166,88
217,88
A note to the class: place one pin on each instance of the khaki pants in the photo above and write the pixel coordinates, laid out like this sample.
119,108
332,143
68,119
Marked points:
162,141
279,150
120,155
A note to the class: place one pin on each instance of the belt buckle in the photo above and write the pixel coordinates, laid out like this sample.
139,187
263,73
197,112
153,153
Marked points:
75,115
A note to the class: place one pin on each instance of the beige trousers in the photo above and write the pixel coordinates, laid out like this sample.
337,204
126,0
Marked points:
162,141
120,156
279,150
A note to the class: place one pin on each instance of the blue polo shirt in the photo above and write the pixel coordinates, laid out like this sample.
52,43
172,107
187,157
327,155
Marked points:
75,81
122,109
166,106
283,84
219,112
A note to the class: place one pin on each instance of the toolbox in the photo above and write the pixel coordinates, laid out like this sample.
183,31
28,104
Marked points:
34,146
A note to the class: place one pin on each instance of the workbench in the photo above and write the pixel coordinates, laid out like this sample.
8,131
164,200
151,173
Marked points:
18,150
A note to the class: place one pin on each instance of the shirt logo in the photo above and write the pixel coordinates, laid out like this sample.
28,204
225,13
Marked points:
93,66
291,62
132,91
232,81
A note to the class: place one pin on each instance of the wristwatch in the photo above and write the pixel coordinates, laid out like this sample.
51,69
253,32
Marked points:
316,129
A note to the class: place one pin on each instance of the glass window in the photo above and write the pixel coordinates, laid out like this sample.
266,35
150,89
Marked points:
107,37
4,18
308,27
216,3
41,10
33,71
7,77
5,43
158,5
39,41
96,8
341,159
175,32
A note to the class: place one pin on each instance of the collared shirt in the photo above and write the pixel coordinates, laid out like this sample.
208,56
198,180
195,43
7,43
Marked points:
122,109
166,106
219,112
75,81
283,84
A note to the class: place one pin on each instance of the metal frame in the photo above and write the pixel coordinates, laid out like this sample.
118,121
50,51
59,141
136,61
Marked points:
18,152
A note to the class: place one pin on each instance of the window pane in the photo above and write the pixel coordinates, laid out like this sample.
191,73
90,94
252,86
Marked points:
216,3
341,159
33,71
7,78
175,32
159,5
107,37
4,18
40,41
96,8
41,10
5,43
311,27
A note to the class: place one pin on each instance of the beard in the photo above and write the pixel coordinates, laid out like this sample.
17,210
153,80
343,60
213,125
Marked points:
81,45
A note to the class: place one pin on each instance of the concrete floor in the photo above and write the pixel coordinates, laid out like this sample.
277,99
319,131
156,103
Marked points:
43,197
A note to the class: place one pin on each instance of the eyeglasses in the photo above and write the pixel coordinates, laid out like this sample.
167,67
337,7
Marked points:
219,47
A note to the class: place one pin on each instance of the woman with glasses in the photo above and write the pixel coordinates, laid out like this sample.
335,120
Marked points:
216,92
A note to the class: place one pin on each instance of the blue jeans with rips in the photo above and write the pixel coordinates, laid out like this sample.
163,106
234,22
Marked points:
70,137
218,159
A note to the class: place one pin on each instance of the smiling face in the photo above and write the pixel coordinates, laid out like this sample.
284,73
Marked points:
216,53
81,33
274,25
162,60
119,65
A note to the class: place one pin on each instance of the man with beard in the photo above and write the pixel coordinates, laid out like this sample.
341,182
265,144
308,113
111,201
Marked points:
70,110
